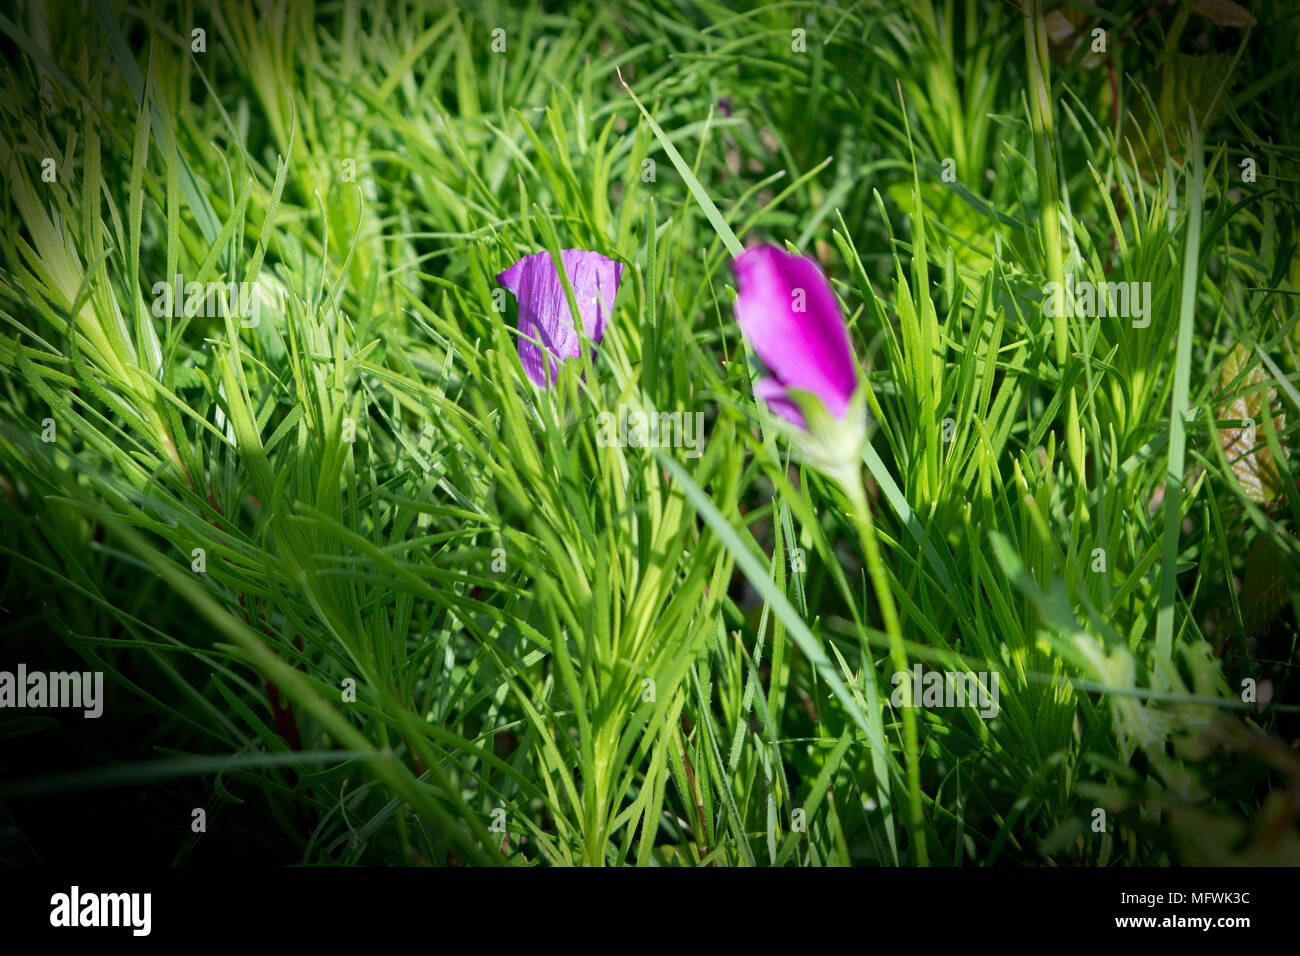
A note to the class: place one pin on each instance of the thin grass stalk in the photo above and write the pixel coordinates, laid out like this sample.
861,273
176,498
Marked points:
1173,501
1040,117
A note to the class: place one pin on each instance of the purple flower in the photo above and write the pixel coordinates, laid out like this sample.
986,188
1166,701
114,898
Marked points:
790,316
544,313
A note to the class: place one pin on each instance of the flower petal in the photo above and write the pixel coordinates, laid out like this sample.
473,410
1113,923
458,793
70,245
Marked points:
777,398
544,312
790,316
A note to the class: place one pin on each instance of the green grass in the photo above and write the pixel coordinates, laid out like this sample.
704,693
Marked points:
438,622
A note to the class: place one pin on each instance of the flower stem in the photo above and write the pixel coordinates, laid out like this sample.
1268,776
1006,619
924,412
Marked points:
851,482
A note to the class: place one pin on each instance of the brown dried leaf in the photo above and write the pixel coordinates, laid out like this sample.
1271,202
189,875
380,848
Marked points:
1245,446
1066,28
1225,13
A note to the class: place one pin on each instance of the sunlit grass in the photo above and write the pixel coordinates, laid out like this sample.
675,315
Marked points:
420,614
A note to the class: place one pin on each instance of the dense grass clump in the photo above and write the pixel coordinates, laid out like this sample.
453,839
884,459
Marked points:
364,593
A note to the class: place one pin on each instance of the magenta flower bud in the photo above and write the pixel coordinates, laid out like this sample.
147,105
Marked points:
790,316
544,313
